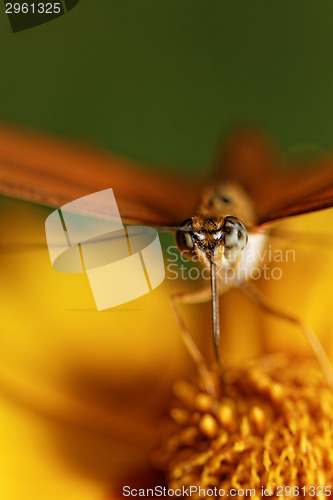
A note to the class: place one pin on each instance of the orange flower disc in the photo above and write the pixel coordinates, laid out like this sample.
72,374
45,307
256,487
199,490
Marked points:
271,429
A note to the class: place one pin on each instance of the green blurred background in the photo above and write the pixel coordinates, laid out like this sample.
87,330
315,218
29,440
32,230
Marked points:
159,81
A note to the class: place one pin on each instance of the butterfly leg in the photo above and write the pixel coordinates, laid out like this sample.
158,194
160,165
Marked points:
199,296
260,299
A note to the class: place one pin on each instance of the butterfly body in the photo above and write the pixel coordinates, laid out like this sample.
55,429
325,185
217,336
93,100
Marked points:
218,232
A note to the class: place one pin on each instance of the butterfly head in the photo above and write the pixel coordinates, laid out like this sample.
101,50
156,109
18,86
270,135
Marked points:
218,239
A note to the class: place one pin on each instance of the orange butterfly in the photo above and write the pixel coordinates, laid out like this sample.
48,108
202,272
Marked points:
248,189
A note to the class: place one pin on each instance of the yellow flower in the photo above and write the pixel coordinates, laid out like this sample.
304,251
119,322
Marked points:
271,431
83,392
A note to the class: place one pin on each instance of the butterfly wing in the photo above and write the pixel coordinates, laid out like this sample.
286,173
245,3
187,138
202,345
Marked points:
53,172
308,188
278,190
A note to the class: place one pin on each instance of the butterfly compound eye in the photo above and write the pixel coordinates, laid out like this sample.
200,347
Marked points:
235,237
184,240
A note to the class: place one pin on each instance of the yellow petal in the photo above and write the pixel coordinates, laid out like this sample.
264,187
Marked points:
81,391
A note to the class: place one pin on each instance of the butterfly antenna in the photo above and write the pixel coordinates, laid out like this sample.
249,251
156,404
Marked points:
216,318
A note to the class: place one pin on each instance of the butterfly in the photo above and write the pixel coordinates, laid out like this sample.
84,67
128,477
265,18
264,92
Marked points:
248,190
